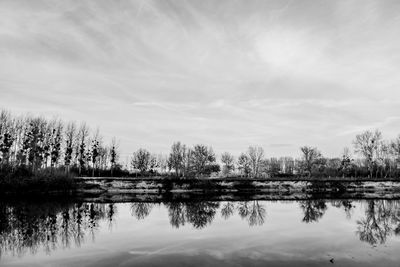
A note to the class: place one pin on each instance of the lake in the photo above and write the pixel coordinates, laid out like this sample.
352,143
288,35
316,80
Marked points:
313,232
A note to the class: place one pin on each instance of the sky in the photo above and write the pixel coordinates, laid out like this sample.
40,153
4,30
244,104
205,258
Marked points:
230,74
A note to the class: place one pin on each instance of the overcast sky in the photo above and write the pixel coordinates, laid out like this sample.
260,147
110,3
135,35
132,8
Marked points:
230,74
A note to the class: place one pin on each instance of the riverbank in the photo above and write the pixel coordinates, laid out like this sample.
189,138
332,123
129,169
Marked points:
156,189
159,188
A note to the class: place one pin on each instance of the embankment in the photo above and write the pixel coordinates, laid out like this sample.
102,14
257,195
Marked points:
157,189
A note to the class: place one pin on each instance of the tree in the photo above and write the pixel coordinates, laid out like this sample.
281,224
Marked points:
187,163
228,163
6,141
55,144
243,163
367,144
345,164
286,165
69,144
310,157
274,167
384,154
141,160
201,157
95,153
162,162
6,138
81,151
153,163
395,149
212,168
176,157
256,155
34,142
113,155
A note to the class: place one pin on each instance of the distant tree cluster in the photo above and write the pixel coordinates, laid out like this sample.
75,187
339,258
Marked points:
33,143
377,158
197,161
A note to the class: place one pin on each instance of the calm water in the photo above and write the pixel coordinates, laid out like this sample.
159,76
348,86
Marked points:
248,233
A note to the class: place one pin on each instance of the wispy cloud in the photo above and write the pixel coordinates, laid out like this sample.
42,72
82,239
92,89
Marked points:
227,73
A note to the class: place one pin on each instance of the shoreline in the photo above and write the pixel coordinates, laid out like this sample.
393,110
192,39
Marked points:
161,188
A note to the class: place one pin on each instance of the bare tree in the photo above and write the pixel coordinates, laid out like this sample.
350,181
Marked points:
6,137
243,164
187,162
346,160
34,142
95,150
81,151
162,162
383,158
70,133
310,157
201,158
286,165
55,143
367,144
113,154
176,157
256,155
396,151
229,163
141,160
153,163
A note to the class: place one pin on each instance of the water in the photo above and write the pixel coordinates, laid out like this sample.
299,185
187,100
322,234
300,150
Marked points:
247,233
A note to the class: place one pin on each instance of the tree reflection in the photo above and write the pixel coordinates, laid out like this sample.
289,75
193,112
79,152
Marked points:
176,213
111,210
141,209
253,212
381,220
347,205
30,227
227,210
313,210
198,214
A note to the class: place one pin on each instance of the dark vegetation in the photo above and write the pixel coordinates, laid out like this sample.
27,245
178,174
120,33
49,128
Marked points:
37,154
43,155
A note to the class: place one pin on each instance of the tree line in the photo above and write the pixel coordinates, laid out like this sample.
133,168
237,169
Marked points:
32,144
373,157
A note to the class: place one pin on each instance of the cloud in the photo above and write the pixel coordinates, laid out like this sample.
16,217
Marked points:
226,73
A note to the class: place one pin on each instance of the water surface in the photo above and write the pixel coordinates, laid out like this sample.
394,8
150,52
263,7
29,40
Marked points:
201,233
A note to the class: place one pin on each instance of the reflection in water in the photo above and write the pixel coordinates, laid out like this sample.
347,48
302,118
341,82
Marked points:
313,210
346,205
27,227
253,212
141,209
198,214
227,210
382,219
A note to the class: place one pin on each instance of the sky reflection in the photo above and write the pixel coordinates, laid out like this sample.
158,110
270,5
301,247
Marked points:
260,232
